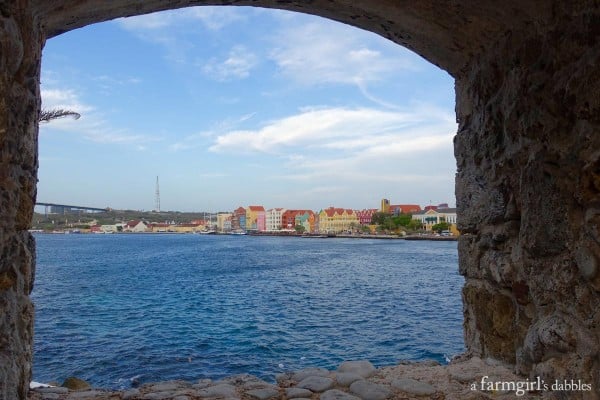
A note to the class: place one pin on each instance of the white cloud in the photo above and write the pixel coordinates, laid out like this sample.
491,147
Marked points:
322,52
350,147
336,128
211,17
237,65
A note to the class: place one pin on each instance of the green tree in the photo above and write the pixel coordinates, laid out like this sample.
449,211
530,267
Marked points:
299,229
378,218
415,225
402,219
442,226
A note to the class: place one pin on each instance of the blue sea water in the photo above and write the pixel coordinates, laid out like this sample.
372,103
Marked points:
112,309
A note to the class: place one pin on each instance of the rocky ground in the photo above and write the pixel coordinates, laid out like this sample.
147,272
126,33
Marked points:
353,380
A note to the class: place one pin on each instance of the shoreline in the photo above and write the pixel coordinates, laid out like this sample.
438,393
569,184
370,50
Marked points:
352,380
272,234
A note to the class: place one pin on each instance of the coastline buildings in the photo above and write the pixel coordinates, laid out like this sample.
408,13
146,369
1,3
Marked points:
397,209
336,220
273,219
433,215
255,218
331,220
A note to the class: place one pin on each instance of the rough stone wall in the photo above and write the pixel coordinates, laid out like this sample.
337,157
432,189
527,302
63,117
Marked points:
20,52
528,197
528,157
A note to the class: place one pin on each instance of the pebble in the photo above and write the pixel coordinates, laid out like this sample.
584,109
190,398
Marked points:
363,368
316,383
131,394
52,389
219,390
263,394
305,373
88,394
413,387
297,393
347,378
335,394
370,391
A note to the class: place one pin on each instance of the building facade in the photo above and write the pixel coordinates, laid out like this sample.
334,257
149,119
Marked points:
255,218
337,220
273,219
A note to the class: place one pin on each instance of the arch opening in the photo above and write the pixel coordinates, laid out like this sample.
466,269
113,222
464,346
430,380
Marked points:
524,163
348,72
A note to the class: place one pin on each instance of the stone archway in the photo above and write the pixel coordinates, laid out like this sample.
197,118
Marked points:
528,155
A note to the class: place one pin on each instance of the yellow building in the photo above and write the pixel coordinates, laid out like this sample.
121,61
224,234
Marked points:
337,220
385,206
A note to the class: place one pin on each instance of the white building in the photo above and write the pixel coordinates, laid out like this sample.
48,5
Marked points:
273,219
431,217
136,226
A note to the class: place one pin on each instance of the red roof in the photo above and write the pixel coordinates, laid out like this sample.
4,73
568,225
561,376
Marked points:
256,208
406,208
331,211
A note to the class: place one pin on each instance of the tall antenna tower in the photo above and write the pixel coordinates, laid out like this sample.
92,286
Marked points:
157,197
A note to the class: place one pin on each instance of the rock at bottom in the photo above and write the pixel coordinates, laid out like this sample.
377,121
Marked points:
413,387
335,394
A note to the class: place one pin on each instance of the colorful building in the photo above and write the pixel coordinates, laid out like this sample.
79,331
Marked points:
337,220
255,218
397,209
273,219
431,217
289,219
238,219
306,219
365,216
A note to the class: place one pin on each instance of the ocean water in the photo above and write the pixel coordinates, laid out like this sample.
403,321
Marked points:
117,310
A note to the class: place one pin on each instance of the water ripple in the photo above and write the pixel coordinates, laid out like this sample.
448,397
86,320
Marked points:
113,309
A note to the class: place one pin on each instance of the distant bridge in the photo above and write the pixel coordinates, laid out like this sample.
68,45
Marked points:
67,209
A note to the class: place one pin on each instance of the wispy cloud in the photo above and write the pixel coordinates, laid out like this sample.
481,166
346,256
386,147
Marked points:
348,146
211,17
335,128
320,53
198,140
91,125
236,65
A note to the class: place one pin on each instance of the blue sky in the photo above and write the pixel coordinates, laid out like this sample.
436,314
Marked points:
235,106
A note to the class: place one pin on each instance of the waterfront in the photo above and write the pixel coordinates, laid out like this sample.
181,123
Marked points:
113,309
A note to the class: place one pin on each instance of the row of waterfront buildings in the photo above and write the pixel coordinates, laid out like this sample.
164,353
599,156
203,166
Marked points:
334,220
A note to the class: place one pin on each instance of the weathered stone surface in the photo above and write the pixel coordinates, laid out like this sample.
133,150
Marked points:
52,389
415,387
87,394
75,383
305,373
527,182
316,383
362,368
346,378
263,394
335,394
296,393
130,394
370,391
220,390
